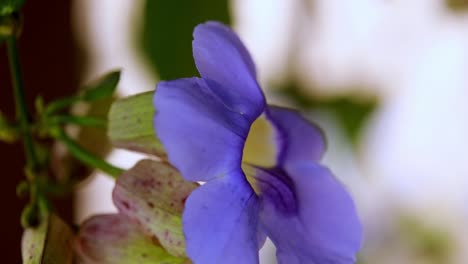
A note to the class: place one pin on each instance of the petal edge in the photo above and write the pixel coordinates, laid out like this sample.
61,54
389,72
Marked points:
220,223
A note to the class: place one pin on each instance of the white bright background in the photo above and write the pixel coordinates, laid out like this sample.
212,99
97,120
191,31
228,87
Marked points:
413,55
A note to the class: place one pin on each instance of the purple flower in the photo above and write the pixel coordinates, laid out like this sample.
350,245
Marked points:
204,123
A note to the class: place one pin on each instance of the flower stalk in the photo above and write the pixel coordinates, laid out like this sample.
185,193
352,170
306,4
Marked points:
30,215
84,156
21,106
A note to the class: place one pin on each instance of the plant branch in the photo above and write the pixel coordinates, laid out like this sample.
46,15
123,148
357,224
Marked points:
84,156
21,106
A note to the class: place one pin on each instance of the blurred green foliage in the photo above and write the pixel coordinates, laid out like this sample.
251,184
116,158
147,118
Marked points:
428,242
9,6
166,37
350,112
457,5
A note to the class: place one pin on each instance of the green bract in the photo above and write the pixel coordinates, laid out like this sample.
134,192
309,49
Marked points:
50,242
131,124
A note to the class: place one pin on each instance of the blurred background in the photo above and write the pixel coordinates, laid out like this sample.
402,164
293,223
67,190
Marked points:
384,78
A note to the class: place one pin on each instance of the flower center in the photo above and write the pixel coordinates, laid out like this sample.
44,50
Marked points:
260,151
259,164
260,148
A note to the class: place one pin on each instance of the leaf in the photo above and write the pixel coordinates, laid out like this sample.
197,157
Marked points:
102,88
350,112
50,242
166,38
116,239
10,6
153,193
131,124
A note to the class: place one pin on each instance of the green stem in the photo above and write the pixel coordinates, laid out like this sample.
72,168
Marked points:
30,215
84,156
21,107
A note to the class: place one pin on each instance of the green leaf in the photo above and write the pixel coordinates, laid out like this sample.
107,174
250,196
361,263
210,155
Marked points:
153,193
351,112
166,38
116,239
50,242
131,124
9,6
102,88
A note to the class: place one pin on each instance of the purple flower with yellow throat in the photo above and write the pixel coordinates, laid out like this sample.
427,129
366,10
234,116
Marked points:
260,164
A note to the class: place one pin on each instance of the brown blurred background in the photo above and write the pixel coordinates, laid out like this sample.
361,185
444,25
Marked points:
49,63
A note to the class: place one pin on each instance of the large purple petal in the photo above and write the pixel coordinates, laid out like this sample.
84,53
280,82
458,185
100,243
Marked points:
203,137
221,57
220,223
299,139
317,223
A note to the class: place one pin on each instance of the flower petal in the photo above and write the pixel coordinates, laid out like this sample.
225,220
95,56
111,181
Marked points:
221,57
299,139
220,223
153,193
116,239
324,228
203,137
